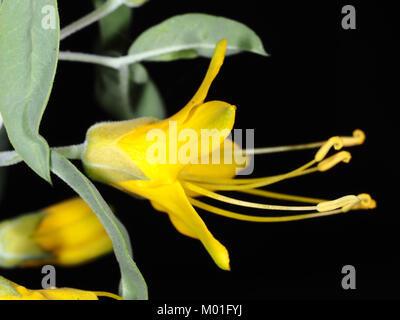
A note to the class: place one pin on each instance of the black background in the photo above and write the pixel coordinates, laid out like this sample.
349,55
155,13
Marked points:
319,81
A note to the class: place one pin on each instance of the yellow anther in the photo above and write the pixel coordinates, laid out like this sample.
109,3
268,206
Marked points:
357,139
366,202
342,156
351,205
345,203
335,142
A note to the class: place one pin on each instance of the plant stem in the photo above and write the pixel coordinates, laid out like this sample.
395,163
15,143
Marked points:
117,62
96,15
88,58
71,152
9,158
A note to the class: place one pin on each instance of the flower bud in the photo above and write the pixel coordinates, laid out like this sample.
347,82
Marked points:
13,291
67,233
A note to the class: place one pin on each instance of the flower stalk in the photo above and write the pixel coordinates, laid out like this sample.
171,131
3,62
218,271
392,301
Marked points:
94,16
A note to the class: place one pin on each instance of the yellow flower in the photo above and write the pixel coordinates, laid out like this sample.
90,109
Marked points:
12,291
125,155
67,234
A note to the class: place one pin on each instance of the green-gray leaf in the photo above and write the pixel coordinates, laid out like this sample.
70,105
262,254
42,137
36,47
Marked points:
29,42
133,286
3,172
194,34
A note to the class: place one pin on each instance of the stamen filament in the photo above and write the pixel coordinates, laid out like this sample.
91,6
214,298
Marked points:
277,149
253,183
281,196
242,203
243,217
261,183
242,181
357,139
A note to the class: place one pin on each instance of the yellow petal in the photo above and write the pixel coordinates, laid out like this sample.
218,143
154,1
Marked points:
225,168
213,69
181,227
177,223
215,118
68,294
173,198
23,294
